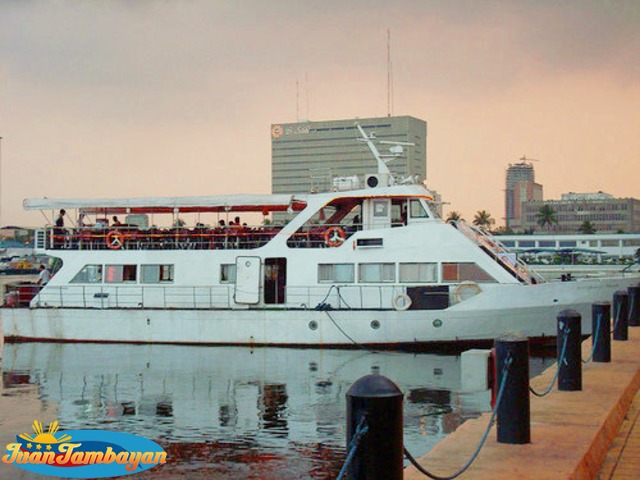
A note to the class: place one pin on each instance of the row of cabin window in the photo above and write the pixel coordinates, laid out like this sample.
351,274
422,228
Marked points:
386,273
124,274
408,273
327,273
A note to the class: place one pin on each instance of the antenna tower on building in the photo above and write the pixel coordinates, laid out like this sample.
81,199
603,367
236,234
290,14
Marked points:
389,76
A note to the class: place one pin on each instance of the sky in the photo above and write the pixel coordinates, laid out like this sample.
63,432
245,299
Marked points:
126,98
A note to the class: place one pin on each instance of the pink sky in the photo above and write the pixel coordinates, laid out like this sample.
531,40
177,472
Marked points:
119,98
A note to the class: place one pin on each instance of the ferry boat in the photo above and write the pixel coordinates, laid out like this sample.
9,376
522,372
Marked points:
372,266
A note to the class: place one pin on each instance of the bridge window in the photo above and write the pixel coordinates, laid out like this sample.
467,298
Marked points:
418,272
376,272
336,272
89,274
120,274
416,210
156,273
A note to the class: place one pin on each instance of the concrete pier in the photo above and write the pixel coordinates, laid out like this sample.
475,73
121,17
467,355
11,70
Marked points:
571,432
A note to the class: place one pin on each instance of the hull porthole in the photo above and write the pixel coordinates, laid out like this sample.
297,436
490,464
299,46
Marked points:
375,324
437,323
313,325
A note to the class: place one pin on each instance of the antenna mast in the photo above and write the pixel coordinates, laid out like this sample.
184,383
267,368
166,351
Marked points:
389,79
297,101
306,84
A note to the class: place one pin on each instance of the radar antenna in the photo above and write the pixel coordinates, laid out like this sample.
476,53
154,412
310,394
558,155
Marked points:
395,150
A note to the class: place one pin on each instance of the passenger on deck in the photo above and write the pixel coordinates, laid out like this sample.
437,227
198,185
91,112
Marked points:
44,276
101,223
81,221
60,219
116,222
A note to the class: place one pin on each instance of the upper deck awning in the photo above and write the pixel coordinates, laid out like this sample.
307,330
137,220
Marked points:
216,203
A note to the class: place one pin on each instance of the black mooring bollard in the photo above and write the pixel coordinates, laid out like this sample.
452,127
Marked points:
380,453
621,315
634,306
601,331
570,367
514,413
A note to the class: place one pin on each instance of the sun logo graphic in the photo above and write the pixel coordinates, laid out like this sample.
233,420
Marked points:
41,441
91,454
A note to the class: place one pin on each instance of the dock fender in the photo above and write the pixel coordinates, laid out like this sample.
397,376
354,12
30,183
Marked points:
401,302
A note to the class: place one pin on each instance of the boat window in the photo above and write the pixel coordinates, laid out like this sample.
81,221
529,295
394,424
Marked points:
120,273
156,273
416,210
89,274
418,272
460,272
228,273
381,208
336,272
376,272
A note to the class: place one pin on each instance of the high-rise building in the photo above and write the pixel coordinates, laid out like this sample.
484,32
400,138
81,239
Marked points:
520,187
309,156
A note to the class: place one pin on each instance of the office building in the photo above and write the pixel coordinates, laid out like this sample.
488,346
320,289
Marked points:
523,192
310,156
605,212
520,187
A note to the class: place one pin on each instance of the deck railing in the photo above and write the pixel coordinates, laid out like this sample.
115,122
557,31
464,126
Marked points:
354,297
132,238
499,252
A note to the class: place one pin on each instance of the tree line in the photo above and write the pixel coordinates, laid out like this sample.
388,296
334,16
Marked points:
546,218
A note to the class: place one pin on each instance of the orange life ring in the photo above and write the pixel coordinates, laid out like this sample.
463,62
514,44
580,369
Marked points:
334,236
115,240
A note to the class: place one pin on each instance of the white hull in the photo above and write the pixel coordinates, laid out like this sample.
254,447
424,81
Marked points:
530,310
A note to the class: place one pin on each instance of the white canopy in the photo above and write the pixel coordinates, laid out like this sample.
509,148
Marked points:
216,203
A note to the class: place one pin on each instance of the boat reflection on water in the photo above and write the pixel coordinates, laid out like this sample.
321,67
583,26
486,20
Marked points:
233,412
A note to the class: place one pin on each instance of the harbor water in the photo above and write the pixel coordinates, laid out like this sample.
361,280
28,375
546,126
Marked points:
227,412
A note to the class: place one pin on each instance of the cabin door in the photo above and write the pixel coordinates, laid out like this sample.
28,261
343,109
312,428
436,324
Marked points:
377,213
275,280
247,280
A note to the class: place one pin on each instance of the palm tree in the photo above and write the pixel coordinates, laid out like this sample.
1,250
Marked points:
587,228
483,219
454,216
547,216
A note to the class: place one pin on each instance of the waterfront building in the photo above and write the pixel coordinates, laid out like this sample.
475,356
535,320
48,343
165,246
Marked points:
322,156
604,245
520,187
523,192
605,212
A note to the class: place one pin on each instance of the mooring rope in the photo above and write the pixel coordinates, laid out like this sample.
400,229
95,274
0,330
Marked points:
421,469
616,315
560,360
361,431
343,332
595,339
